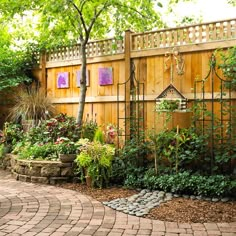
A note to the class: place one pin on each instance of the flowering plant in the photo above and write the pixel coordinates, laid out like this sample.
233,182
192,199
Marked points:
66,146
111,133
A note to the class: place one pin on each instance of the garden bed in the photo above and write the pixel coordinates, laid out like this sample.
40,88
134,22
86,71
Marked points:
179,210
45,172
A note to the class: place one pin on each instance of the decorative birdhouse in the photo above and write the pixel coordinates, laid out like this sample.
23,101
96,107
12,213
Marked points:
171,100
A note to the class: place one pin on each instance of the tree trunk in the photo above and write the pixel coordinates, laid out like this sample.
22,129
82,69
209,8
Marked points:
83,87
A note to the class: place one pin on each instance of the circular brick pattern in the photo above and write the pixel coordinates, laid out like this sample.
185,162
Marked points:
32,209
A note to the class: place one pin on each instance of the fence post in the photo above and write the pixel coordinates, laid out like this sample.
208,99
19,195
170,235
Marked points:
43,71
128,85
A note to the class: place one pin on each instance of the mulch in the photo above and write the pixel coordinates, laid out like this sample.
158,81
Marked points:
178,210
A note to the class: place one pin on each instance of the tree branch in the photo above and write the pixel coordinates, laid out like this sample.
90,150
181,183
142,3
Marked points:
80,15
131,8
96,15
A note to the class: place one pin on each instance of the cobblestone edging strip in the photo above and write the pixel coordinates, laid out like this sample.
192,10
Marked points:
140,204
45,172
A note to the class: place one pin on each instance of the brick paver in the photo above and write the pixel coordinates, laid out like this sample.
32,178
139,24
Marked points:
31,209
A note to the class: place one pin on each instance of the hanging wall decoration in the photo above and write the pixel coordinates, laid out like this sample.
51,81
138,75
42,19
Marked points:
78,78
174,60
63,80
105,76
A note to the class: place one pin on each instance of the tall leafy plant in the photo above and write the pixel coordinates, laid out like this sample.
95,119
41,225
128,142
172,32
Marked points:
31,105
15,62
228,66
96,158
182,149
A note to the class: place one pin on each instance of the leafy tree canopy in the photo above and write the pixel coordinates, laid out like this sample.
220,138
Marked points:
68,21
60,22
14,64
232,2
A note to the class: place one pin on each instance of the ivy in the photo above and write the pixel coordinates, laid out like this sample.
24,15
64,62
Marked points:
228,66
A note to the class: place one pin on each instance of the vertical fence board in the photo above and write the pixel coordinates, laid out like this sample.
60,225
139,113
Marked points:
150,69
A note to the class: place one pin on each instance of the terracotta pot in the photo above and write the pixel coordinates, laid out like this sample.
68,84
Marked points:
88,181
65,158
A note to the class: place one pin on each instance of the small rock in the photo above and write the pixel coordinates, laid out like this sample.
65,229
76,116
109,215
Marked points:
161,201
139,214
169,198
120,208
156,204
225,199
144,191
215,199
169,194
131,213
207,199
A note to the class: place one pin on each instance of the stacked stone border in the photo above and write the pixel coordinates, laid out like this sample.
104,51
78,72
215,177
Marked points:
44,172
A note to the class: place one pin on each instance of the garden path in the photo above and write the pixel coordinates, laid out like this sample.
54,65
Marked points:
31,209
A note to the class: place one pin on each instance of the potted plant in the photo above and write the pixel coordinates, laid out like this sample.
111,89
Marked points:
95,159
169,105
66,149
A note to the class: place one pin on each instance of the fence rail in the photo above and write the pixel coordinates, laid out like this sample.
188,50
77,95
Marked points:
193,34
187,35
93,49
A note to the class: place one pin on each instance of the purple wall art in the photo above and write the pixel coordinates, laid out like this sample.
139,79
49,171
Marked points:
105,76
63,80
78,77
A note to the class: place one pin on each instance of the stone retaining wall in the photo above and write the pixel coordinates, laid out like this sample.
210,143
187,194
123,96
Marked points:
46,172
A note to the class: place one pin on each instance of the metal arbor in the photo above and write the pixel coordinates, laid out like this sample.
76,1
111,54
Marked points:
214,116
130,110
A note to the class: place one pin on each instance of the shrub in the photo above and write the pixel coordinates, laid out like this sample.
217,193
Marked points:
228,67
186,183
89,128
181,150
135,179
119,171
54,128
12,134
2,151
45,151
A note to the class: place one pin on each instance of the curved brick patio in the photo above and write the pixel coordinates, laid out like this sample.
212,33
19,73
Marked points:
30,209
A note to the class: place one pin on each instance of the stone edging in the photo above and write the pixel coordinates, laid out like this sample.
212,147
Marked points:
141,203
45,172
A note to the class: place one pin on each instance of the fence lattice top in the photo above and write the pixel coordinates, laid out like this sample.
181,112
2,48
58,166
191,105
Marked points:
193,34
200,33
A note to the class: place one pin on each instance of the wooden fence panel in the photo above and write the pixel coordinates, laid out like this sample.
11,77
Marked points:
148,51
151,70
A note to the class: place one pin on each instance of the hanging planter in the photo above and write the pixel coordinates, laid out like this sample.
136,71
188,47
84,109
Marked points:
168,105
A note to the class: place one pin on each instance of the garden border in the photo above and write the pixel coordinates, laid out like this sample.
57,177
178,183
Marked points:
44,172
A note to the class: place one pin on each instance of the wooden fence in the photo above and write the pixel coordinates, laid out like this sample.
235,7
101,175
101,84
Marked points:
151,54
